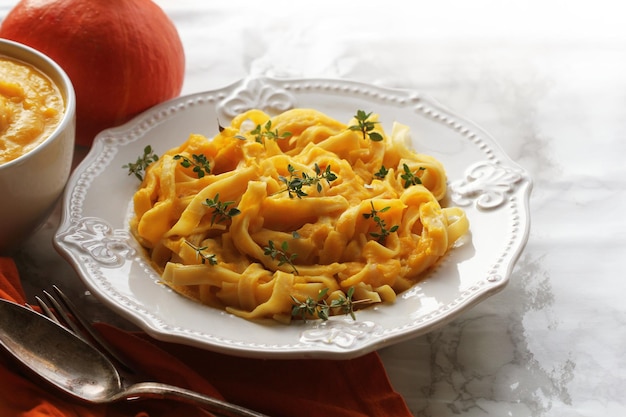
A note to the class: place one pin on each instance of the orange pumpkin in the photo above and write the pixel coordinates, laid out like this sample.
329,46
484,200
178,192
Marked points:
123,56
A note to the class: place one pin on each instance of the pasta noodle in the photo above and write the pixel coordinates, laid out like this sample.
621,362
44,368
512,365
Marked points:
292,208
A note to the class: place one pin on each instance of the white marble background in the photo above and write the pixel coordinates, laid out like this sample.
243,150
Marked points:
548,80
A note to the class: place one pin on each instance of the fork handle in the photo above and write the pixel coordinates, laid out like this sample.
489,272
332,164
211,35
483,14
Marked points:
143,390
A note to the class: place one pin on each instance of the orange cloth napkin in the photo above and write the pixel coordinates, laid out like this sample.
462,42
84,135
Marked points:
280,388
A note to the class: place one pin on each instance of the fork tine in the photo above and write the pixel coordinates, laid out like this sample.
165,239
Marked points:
64,307
60,314
45,310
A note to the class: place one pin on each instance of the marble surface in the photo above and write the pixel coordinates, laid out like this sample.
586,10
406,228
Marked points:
548,81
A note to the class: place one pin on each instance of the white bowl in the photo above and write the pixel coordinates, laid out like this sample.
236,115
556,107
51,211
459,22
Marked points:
31,184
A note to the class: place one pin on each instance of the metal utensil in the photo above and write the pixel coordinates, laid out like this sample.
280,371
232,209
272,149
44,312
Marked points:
64,312
68,363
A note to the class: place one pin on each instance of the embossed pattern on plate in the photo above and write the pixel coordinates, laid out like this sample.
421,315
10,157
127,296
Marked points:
494,191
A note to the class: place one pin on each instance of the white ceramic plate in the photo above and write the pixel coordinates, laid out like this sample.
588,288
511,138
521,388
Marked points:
94,237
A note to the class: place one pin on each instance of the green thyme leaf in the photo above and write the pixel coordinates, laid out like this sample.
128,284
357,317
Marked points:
409,177
366,126
139,167
221,210
199,163
295,183
265,132
380,236
382,172
204,258
319,307
281,254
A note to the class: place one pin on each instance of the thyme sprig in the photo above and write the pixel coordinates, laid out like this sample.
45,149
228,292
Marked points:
204,258
366,126
261,133
221,211
138,168
381,173
382,225
319,307
200,163
410,177
281,254
295,183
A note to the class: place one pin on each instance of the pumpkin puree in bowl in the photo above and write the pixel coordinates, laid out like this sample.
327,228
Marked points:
31,107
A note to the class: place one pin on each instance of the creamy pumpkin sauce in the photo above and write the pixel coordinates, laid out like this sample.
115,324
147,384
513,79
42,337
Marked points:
31,106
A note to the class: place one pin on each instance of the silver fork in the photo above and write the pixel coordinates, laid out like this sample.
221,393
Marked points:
64,312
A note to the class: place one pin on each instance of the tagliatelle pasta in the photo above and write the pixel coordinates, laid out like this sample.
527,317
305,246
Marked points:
278,210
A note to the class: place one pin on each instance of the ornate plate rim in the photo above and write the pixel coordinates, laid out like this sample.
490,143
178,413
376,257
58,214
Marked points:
95,248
